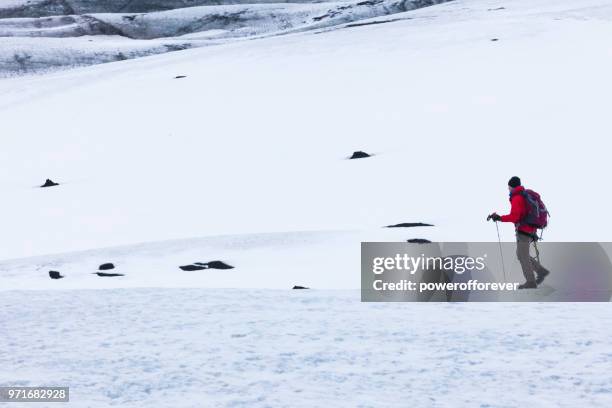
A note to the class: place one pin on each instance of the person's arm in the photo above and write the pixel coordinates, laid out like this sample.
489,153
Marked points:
516,212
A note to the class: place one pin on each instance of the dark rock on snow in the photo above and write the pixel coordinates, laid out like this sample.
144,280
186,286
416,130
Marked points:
409,225
218,265
198,266
392,20
190,268
55,275
180,76
494,39
359,155
419,241
108,275
49,183
106,266
300,287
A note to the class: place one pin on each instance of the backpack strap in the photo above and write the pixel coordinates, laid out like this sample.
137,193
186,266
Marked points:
522,220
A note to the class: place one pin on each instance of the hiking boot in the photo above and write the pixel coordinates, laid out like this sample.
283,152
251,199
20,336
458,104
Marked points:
541,274
528,285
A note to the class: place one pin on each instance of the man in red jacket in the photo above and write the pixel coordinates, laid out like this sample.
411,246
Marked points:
525,235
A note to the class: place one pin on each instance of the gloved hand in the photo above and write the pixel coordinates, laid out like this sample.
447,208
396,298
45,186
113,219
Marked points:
495,217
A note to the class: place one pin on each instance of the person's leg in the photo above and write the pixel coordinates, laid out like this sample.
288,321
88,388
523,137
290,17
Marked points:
523,243
535,265
541,272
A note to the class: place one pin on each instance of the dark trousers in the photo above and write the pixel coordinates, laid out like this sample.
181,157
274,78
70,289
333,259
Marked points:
529,264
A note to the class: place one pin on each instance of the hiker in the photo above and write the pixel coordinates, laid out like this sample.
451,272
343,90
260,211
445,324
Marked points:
528,213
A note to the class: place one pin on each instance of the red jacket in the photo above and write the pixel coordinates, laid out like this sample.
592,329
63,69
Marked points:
518,211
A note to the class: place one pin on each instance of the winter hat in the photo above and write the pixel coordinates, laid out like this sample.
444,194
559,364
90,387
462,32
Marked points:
514,182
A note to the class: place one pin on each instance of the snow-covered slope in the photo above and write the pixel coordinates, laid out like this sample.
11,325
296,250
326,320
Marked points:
112,32
238,348
243,160
46,8
323,259
254,140
239,20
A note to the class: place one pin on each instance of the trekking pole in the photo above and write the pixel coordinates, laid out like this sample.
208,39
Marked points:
537,251
501,252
